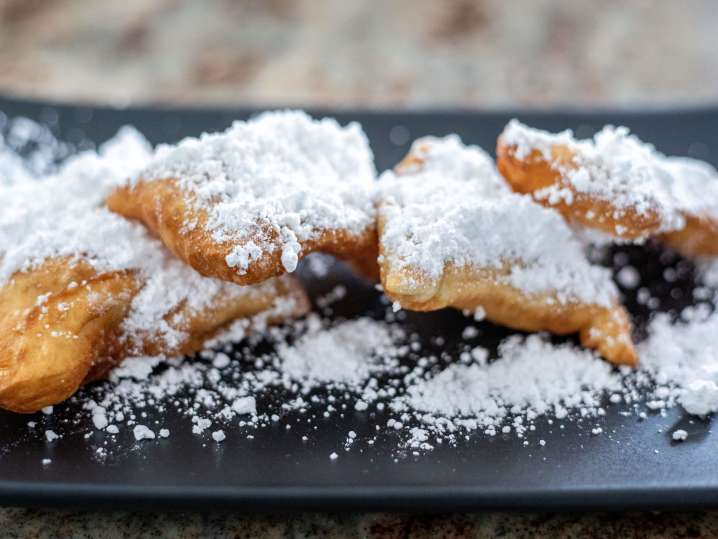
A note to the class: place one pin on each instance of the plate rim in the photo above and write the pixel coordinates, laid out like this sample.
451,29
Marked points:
343,498
296,499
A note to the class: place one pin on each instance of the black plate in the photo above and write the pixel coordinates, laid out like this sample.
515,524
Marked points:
634,466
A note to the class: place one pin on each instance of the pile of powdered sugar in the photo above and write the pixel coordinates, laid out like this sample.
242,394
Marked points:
282,171
63,215
221,388
618,167
530,376
424,400
693,185
455,210
682,358
348,354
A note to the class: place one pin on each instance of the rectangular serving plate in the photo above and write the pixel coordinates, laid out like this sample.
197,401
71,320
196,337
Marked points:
634,464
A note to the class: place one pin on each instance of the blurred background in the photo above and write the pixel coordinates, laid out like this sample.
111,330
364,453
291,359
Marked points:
403,53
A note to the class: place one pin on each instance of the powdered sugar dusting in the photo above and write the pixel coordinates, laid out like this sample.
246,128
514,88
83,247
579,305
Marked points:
63,216
554,379
28,150
346,354
455,209
693,185
141,432
617,166
320,369
212,397
418,389
282,171
173,285
683,359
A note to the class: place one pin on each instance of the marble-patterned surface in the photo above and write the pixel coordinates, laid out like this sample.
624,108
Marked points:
472,53
389,54
111,525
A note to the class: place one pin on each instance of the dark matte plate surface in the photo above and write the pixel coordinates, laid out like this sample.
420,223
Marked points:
633,466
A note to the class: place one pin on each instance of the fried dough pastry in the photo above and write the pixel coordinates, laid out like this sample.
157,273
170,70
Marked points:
616,185
694,188
609,184
54,321
452,234
247,204
63,323
82,288
176,310
697,239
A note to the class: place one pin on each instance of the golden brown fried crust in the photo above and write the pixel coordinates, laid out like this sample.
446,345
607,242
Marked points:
698,239
48,349
199,326
365,262
606,329
534,172
161,205
224,309
413,160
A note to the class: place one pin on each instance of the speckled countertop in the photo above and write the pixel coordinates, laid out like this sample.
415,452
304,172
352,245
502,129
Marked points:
406,53
111,525
398,53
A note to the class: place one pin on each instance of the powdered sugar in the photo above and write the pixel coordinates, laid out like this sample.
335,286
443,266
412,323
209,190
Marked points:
693,185
281,175
28,150
708,272
141,432
63,216
376,373
244,406
454,209
683,359
347,354
173,285
211,397
618,167
379,370
553,380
